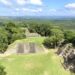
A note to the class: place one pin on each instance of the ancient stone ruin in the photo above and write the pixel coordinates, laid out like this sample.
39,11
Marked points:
25,48
28,34
68,53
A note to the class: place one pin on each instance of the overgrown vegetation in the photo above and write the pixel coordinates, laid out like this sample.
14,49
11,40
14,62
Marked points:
42,29
70,36
8,34
54,39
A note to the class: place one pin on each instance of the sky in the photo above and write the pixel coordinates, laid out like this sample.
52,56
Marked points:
37,7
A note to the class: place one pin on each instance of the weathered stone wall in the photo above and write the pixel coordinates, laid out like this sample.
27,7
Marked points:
29,48
68,54
25,48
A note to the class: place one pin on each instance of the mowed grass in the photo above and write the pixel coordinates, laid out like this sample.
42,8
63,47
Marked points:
33,64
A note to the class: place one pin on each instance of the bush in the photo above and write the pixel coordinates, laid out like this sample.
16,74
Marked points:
2,70
55,38
70,36
49,42
3,40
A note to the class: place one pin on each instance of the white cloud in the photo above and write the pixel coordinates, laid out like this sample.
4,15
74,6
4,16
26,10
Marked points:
6,2
33,2
21,2
17,9
70,6
52,10
25,9
36,2
37,10
22,9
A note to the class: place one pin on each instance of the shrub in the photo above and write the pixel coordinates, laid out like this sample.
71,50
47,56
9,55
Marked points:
2,70
49,42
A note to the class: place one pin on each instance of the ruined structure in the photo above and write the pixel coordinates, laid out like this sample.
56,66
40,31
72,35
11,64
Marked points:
68,53
25,48
28,34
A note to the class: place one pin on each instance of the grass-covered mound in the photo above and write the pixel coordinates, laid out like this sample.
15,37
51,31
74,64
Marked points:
33,64
27,45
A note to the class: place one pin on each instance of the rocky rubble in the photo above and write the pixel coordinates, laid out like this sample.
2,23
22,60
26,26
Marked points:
67,51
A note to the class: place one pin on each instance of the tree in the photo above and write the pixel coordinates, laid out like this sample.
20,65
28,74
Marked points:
58,33
31,27
70,36
53,41
43,29
3,40
49,42
14,32
18,34
58,36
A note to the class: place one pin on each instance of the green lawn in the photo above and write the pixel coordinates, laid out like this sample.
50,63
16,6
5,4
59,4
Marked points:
33,64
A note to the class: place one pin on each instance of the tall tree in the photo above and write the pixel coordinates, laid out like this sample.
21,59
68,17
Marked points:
14,32
3,40
54,40
70,36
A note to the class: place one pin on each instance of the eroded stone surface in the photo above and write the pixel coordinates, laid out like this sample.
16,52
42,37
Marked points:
25,48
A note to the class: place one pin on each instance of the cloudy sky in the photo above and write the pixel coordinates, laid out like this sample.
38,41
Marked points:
37,7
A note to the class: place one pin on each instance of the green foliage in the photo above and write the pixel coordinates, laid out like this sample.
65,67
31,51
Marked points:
17,35
42,29
3,40
31,27
49,42
8,34
70,36
14,32
57,35
2,71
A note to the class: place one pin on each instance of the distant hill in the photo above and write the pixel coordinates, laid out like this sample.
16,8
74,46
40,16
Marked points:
64,22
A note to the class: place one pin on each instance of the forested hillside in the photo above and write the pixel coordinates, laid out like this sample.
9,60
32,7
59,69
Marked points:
57,37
